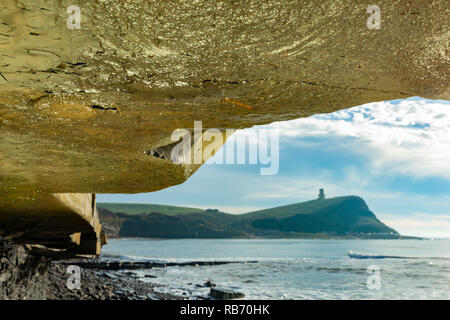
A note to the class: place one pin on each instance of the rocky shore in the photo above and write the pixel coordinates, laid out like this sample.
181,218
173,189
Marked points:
99,284
115,280
24,276
105,264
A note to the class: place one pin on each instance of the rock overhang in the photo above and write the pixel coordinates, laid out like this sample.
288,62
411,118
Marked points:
79,109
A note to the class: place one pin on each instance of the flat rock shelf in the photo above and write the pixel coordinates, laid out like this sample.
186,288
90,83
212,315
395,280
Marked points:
133,265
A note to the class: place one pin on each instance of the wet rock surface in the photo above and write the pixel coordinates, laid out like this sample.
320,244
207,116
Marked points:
130,265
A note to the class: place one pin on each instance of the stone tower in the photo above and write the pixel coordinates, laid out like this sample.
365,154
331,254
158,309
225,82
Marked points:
321,194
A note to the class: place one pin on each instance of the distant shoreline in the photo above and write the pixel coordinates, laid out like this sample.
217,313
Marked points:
325,237
346,217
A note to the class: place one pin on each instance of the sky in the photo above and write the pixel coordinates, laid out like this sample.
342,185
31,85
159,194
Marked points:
393,154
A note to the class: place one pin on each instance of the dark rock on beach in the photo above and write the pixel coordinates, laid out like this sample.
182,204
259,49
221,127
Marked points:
225,294
136,265
209,284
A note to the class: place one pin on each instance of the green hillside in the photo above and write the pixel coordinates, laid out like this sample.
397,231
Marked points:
138,208
302,207
342,216
348,215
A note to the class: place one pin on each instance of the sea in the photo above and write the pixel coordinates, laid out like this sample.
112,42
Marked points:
284,269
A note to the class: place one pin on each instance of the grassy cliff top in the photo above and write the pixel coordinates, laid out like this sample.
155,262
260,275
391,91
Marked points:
138,208
306,207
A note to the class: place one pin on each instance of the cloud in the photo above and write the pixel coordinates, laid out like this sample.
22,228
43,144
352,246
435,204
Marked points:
410,137
420,224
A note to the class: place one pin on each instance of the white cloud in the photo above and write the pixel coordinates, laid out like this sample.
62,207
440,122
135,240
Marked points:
420,224
410,137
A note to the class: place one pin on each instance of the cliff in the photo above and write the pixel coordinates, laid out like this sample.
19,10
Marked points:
342,216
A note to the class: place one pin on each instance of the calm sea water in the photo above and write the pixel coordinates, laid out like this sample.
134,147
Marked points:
298,269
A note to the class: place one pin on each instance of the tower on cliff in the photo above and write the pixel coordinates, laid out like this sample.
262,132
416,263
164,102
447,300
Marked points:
321,194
